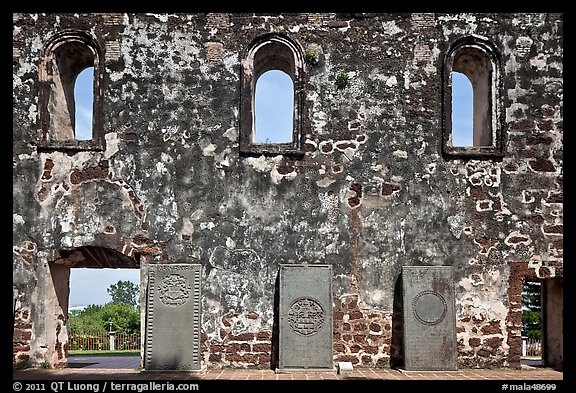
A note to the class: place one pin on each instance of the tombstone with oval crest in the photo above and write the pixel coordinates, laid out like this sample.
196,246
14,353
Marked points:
173,318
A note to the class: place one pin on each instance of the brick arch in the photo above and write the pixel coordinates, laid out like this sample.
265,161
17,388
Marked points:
96,257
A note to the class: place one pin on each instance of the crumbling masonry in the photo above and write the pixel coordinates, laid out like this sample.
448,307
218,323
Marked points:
370,182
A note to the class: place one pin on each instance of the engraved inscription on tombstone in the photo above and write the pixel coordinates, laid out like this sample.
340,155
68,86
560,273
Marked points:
429,318
305,331
173,318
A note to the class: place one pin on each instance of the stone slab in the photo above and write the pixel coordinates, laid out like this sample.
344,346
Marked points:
429,318
305,321
173,318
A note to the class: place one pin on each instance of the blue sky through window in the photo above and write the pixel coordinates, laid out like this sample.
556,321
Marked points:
274,107
462,110
84,98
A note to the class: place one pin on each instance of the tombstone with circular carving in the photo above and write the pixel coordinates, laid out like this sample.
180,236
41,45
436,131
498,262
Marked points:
306,316
429,307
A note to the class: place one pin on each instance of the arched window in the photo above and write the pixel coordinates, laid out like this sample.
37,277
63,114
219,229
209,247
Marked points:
272,96
472,94
70,92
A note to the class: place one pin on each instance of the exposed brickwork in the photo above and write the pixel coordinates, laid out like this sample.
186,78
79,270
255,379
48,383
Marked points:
22,336
361,336
244,350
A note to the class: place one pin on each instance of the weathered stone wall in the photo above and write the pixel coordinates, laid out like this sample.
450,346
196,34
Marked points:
371,193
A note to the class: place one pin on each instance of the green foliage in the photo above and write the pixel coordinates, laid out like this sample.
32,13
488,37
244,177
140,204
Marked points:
342,79
124,292
121,312
312,56
531,310
45,365
88,321
124,318
95,319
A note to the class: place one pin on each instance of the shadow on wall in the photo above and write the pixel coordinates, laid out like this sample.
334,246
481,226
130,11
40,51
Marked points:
397,340
274,355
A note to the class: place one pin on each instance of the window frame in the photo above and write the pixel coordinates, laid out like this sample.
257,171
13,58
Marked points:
268,52
67,41
488,50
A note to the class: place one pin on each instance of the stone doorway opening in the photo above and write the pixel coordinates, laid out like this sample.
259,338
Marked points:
542,309
60,269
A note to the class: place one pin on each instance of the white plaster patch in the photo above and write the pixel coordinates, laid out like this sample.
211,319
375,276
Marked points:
263,164
400,154
455,223
207,225
392,81
32,113
231,134
230,243
111,144
377,296
209,150
539,62
187,226
197,214
325,182
465,283
390,28
319,121
17,219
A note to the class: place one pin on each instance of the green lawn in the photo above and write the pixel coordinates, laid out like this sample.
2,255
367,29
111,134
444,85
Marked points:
135,352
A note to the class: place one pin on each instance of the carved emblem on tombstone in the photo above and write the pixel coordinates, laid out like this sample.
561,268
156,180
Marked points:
306,316
174,290
429,307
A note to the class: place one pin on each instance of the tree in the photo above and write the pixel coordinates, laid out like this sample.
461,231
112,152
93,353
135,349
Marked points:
87,321
531,310
124,317
96,319
124,292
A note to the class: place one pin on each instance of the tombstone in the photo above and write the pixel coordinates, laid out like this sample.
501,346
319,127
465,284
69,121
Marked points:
305,320
173,318
429,318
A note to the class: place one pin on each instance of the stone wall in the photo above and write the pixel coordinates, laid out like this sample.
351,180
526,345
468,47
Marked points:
164,180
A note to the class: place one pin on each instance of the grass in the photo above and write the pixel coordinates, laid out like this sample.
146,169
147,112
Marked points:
106,353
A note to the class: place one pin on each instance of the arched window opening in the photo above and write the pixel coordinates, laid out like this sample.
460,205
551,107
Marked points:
84,100
70,102
274,108
271,113
475,65
462,110
472,114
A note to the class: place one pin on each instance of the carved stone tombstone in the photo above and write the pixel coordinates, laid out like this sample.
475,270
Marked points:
305,323
429,318
173,318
